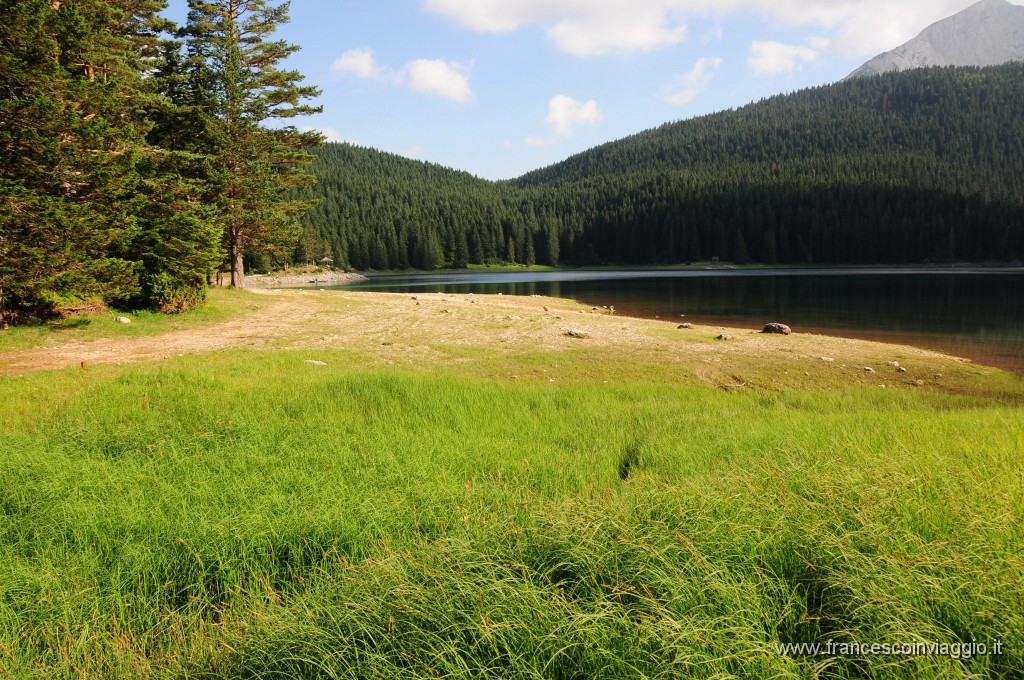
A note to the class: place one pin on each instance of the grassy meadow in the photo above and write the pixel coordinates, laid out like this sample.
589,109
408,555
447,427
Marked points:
222,305
460,492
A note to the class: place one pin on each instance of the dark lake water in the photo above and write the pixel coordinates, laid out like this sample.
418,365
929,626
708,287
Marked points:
973,313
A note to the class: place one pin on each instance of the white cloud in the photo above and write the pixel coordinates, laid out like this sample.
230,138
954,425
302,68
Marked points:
693,82
881,26
622,28
507,144
440,78
769,58
565,113
588,27
580,27
359,63
434,77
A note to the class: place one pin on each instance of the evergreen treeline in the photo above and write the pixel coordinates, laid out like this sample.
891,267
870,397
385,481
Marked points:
924,165
381,211
135,161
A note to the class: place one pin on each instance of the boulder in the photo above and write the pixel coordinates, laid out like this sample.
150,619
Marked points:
123,319
780,328
723,336
572,333
868,369
684,325
314,362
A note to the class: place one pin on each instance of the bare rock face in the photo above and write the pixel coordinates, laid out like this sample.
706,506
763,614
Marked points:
988,33
779,328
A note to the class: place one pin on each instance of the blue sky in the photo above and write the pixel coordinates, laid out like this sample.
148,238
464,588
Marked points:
501,87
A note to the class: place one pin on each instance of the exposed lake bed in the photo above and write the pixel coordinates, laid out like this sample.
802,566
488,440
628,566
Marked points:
972,312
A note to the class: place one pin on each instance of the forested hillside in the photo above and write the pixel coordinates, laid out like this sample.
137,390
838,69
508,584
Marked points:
906,167
381,211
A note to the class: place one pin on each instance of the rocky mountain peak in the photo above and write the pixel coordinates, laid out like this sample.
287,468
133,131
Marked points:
987,33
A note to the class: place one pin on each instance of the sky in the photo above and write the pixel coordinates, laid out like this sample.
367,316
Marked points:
501,87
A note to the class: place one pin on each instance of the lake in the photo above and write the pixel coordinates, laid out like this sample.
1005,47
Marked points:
976,313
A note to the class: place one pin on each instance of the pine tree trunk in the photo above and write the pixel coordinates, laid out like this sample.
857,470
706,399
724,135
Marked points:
237,267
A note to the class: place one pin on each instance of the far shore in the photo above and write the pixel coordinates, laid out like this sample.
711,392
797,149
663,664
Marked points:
282,279
718,268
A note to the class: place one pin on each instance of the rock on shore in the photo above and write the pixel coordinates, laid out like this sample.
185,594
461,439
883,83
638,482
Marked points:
780,328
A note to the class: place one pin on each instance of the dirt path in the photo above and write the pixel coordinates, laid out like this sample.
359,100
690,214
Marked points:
279,316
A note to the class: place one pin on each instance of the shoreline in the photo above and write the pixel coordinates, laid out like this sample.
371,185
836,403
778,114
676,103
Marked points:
270,281
715,269
418,330
999,345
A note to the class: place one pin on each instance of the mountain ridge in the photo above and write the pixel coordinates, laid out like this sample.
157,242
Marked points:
988,33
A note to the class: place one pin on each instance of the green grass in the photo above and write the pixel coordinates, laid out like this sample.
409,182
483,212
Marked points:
247,515
222,304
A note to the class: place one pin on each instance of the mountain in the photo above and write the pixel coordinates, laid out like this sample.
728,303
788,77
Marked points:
906,167
988,33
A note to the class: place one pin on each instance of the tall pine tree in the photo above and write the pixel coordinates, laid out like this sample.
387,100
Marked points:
232,61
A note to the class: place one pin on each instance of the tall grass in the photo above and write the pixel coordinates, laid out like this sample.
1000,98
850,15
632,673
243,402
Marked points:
248,515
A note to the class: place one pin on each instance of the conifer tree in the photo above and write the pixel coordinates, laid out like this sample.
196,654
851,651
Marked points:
72,122
233,61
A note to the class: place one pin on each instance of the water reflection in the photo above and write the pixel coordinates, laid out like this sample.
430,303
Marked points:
978,314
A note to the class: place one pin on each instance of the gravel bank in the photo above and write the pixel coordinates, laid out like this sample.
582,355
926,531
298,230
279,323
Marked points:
285,280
